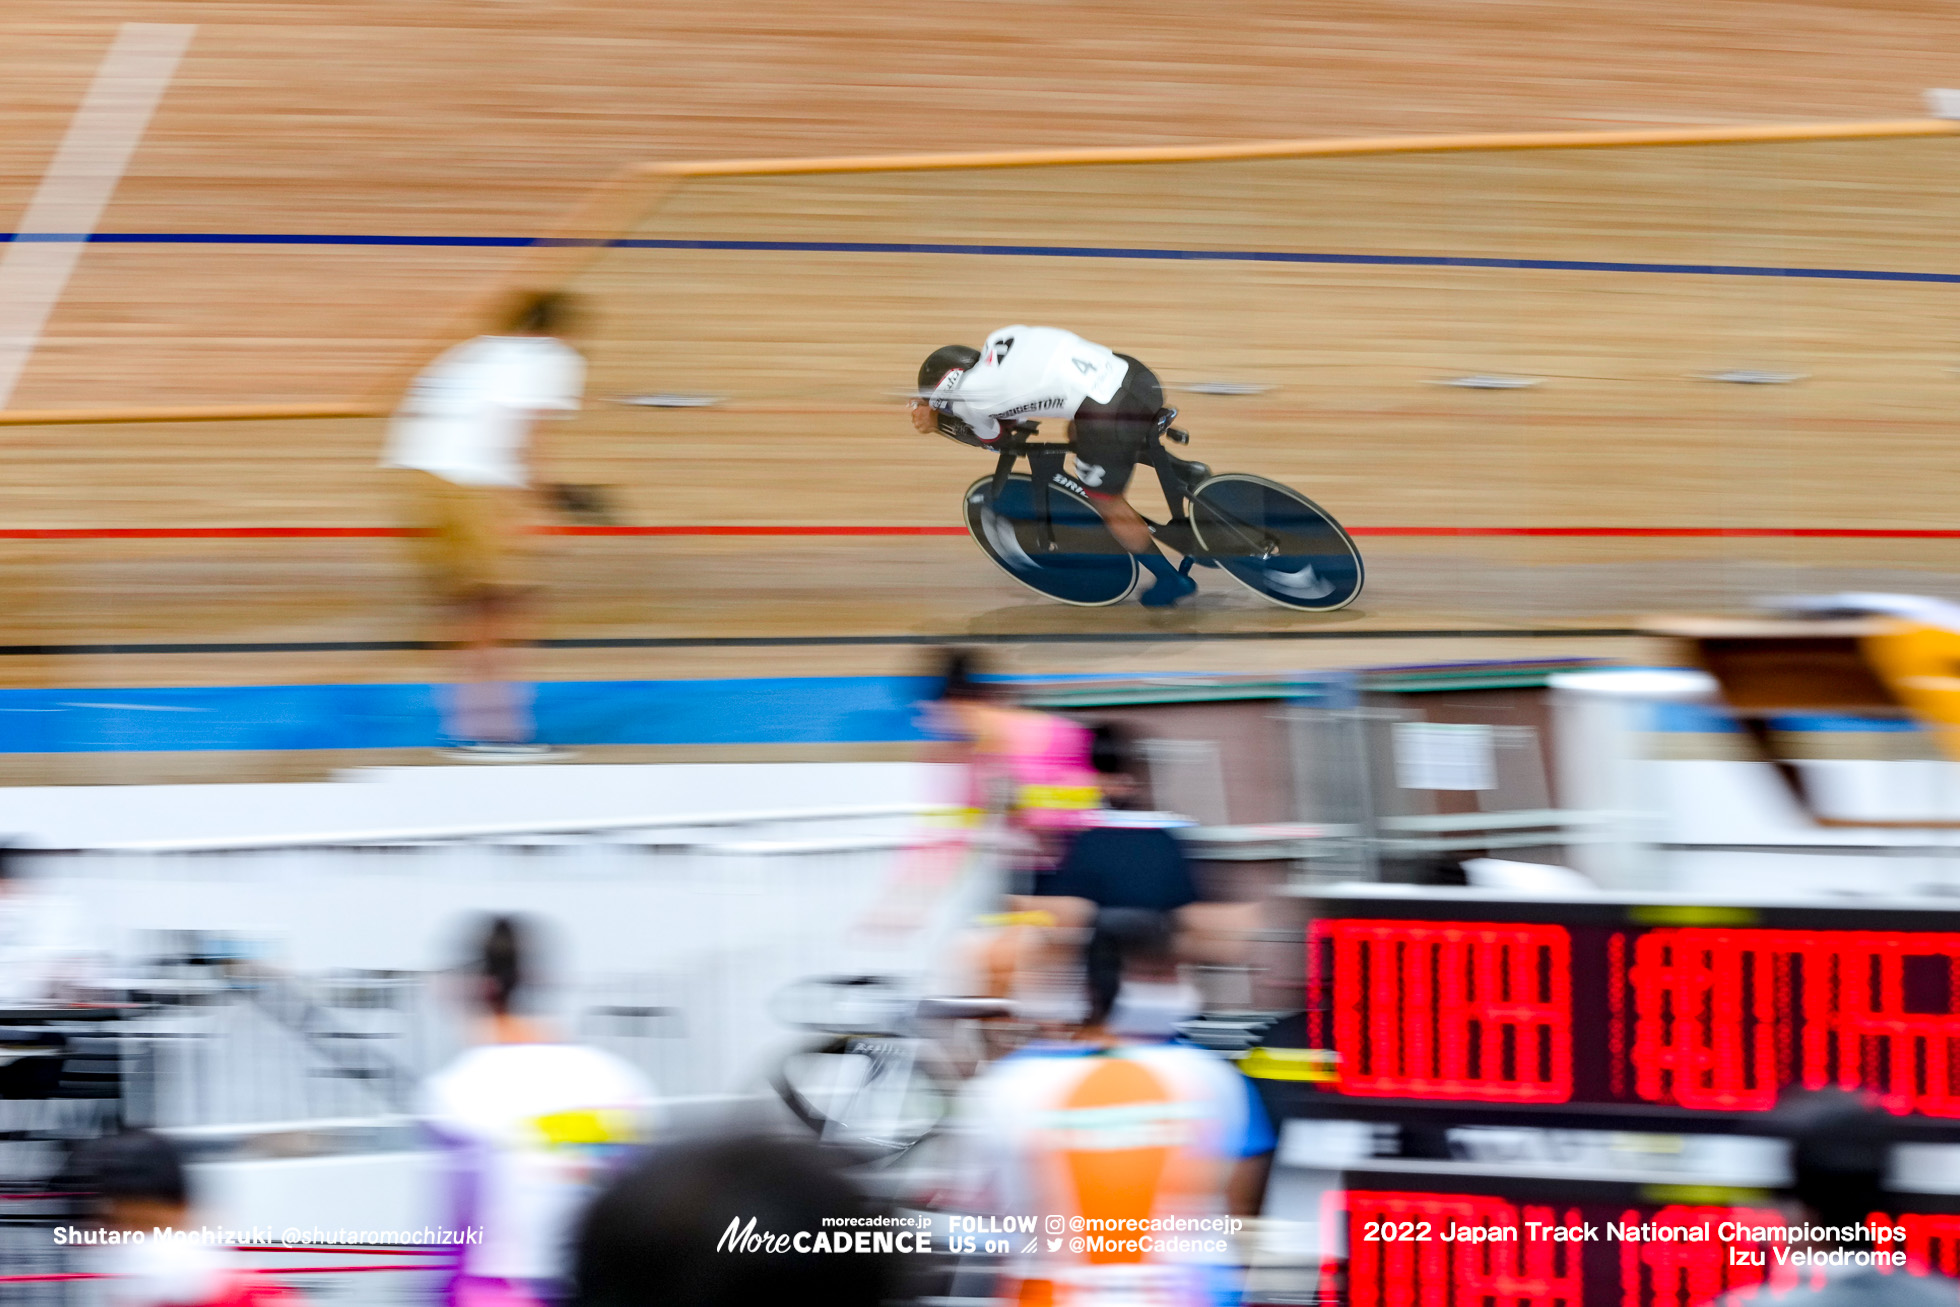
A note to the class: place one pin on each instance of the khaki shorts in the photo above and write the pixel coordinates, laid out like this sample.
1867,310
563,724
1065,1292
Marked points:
474,539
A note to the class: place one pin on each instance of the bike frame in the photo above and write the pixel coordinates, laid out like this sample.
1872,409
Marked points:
1045,461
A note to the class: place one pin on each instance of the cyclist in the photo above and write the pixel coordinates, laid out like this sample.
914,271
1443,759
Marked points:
1110,400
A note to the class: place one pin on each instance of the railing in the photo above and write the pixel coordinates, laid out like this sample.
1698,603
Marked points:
308,992
491,832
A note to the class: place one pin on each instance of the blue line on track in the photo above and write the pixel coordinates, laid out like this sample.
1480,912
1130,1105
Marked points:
1003,251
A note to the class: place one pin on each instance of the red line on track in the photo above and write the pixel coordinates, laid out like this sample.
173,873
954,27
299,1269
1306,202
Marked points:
1673,532
390,532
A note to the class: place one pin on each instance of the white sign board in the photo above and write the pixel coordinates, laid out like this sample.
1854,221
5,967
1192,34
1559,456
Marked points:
1445,756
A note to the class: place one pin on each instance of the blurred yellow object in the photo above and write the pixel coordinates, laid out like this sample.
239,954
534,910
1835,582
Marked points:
587,1126
1060,798
1318,1065
1037,918
1691,914
955,817
1703,1195
1920,665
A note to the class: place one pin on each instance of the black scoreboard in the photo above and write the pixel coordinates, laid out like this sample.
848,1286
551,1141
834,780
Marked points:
1474,998
1435,1009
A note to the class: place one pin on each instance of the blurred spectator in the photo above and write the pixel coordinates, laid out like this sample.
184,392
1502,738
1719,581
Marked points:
40,954
464,435
531,1126
139,1185
661,1233
1120,1124
1129,857
1840,1150
1020,778
1033,767
1120,858
1123,857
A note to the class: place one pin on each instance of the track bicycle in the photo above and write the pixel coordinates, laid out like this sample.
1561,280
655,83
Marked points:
1040,528
876,1082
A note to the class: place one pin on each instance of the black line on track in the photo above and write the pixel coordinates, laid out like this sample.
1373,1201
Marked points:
819,641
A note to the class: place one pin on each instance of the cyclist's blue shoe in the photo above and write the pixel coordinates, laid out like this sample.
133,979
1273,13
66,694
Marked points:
1168,591
1171,586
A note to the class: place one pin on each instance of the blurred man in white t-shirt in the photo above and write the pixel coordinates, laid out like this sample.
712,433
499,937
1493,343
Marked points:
465,435
531,1126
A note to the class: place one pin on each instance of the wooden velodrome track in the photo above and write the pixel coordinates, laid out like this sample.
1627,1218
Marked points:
330,133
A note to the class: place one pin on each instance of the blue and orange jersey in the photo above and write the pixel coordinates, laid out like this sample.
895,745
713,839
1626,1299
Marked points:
1130,1148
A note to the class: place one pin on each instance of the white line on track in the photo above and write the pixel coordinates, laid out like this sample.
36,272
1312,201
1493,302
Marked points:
103,134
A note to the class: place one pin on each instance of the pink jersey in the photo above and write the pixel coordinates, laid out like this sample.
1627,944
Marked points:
1036,766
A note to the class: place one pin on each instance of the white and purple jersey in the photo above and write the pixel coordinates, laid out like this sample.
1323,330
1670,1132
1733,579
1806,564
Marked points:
529,1130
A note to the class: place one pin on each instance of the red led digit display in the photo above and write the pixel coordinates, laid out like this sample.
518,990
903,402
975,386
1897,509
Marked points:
1616,1008
1403,1248
1656,1270
1448,1010
1397,1255
1726,1019
1702,1017
1932,1243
